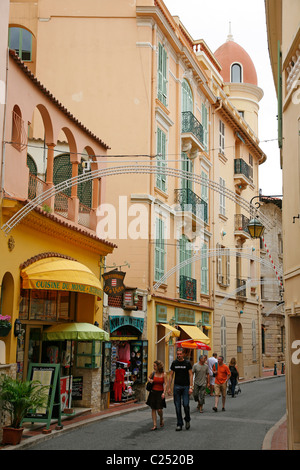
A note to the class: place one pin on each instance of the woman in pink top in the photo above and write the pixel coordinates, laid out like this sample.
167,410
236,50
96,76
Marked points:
156,398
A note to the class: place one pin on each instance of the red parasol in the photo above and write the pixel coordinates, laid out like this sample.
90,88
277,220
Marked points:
194,345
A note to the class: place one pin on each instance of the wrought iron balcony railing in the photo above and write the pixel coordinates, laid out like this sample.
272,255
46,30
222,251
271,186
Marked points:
241,285
191,124
187,288
242,168
189,201
241,223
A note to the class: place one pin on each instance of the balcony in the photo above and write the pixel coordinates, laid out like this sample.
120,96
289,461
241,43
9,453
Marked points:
241,285
64,205
189,201
191,134
241,226
243,173
187,288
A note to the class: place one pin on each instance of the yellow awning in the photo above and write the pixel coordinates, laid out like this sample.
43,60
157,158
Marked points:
195,333
60,274
171,328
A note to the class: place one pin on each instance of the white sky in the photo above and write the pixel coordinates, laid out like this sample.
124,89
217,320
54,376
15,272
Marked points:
209,20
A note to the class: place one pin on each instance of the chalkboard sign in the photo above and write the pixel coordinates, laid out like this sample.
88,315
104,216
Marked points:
48,376
77,387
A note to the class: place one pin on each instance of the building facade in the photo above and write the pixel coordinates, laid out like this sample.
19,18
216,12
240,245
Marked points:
51,259
273,321
182,169
284,40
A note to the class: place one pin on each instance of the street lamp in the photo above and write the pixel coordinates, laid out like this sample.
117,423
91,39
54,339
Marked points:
255,227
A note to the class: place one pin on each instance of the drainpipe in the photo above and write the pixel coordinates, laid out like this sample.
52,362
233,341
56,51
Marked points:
4,127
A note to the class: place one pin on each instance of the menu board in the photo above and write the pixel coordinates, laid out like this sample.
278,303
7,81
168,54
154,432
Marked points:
48,376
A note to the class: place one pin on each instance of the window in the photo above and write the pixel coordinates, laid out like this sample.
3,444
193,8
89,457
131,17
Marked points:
162,74
236,73
185,254
20,40
221,137
204,270
159,249
161,160
205,126
186,97
223,337
62,171
204,195
223,265
186,165
222,197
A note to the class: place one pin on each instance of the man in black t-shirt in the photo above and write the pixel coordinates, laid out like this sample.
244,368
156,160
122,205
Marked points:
183,387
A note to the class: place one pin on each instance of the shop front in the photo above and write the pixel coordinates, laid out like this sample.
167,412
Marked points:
129,358
177,324
58,300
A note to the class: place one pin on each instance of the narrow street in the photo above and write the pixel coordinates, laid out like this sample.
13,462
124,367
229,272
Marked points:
243,426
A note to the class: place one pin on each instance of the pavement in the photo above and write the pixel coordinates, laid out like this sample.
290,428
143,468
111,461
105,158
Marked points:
275,439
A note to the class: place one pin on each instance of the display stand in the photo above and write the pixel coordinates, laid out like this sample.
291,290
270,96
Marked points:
128,393
48,375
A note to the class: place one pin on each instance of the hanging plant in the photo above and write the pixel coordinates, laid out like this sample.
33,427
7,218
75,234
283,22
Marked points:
5,325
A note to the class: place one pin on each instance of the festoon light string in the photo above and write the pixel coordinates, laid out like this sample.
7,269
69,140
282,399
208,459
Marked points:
278,277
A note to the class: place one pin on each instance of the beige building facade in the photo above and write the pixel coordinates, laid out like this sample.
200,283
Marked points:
182,168
284,42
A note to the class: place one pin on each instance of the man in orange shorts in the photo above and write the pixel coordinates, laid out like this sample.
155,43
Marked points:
222,374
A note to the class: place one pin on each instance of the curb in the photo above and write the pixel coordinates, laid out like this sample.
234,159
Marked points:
267,443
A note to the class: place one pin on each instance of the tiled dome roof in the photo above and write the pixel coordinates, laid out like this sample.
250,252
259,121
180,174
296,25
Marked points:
230,53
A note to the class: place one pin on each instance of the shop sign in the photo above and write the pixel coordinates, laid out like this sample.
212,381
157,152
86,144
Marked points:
65,286
113,283
116,322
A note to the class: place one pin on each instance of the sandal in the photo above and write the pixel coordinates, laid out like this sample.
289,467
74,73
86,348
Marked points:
162,423
154,428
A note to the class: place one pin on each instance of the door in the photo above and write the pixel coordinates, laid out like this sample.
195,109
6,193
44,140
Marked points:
33,346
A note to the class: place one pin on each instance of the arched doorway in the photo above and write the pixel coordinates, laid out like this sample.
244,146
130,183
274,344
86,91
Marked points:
240,353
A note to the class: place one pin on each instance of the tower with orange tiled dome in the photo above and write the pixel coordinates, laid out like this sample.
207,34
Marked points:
240,80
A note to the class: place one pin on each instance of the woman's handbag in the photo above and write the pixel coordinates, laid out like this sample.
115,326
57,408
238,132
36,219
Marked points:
149,385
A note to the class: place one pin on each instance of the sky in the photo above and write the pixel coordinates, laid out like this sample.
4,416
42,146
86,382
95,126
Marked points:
209,20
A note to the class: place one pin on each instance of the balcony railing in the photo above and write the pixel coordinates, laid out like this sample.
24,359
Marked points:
191,124
187,288
62,202
241,285
189,201
84,215
242,168
241,223
36,186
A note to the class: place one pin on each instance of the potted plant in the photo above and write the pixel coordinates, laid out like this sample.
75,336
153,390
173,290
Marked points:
18,398
5,325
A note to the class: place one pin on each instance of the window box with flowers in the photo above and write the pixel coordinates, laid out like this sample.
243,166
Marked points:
5,325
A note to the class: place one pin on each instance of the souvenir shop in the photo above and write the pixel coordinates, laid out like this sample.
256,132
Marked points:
129,358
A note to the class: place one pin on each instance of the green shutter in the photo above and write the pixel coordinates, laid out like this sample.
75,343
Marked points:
159,250
162,74
161,181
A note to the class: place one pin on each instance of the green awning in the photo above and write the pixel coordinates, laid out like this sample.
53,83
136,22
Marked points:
75,332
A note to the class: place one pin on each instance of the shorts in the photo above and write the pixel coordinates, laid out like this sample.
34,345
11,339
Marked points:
220,389
212,380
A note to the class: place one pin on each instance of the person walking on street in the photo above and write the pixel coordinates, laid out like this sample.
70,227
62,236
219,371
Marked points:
156,397
222,374
234,375
211,362
201,381
183,388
